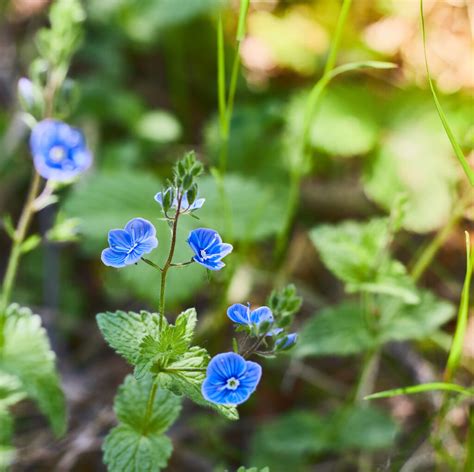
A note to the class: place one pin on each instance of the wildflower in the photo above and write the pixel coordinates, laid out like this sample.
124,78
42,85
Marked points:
230,379
128,245
242,315
208,248
185,206
59,151
286,342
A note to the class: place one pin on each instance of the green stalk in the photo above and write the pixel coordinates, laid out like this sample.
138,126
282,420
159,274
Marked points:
296,172
456,147
15,254
469,463
430,251
149,405
455,353
426,387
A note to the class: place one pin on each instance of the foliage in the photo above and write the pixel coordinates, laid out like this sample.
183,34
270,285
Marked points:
295,438
26,355
138,442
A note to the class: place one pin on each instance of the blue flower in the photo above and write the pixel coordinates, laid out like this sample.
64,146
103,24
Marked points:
230,379
185,206
59,151
128,245
242,315
286,342
208,248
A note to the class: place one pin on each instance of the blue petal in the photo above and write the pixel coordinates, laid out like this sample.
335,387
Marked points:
226,365
204,238
275,331
159,198
239,313
208,264
43,136
113,258
198,203
214,392
140,229
287,341
260,315
220,250
120,240
249,381
133,257
147,245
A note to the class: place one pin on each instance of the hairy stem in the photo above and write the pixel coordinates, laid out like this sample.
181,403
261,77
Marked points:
168,263
149,405
15,254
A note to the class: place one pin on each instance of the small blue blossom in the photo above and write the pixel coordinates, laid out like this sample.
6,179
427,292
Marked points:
26,91
185,206
208,248
230,379
128,245
242,315
287,341
59,151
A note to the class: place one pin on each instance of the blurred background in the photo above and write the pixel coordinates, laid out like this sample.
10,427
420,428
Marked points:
147,92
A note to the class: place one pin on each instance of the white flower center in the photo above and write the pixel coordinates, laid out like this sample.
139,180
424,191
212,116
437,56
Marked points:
132,248
232,383
57,154
204,254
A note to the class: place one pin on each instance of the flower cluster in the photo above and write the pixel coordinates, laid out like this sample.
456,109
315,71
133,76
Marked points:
230,377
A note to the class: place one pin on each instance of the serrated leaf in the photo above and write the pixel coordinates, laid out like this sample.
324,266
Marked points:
162,348
26,354
131,404
345,329
11,390
185,377
138,442
355,253
124,331
126,450
339,330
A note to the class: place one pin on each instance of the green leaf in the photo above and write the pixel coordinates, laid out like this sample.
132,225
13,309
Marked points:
339,330
26,354
346,122
124,331
160,349
254,208
399,321
126,450
345,329
355,253
295,438
138,442
131,404
31,243
11,390
397,169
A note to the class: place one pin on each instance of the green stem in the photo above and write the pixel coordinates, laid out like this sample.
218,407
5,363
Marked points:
152,264
15,254
469,463
168,264
430,251
149,405
297,170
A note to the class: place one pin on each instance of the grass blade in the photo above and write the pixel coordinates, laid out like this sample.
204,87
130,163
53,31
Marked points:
457,149
455,353
427,387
